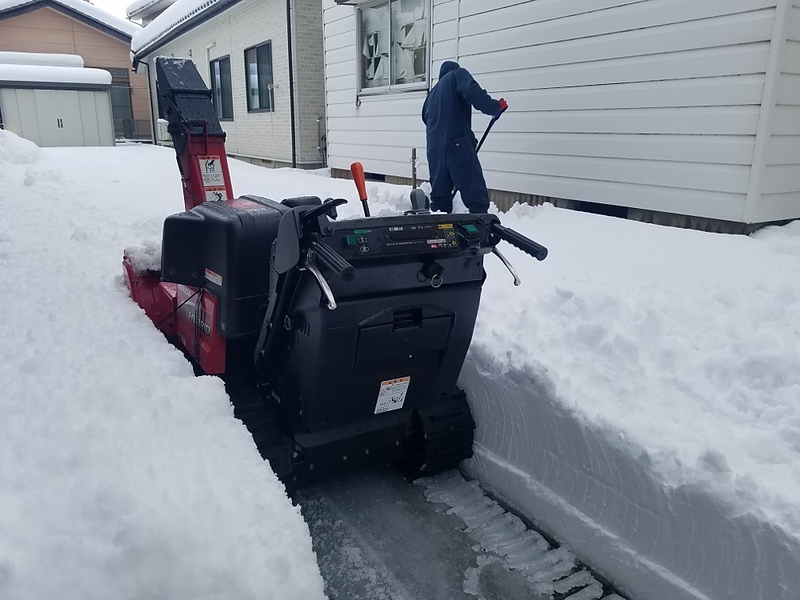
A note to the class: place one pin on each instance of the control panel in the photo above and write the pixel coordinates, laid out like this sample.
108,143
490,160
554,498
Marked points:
411,235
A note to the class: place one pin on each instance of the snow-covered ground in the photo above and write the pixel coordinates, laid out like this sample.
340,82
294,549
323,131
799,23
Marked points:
122,475
637,397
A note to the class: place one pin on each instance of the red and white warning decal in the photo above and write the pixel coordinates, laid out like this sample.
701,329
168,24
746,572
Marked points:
213,179
392,394
214,277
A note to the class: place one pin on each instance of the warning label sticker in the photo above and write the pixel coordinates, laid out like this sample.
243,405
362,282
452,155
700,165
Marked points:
211,170
392,394
213,277
215,194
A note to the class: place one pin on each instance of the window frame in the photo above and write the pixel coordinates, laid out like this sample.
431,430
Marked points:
270,85
120,86
212,78
391,88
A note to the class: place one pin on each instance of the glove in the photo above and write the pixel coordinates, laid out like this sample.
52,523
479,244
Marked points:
503,106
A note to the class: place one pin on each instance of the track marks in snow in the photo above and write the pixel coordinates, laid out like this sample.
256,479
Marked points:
553,573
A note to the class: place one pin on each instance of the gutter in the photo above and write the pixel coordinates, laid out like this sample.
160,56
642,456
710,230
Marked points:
136,62
291,81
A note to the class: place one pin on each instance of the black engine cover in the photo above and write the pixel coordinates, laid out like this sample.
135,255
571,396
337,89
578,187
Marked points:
224,247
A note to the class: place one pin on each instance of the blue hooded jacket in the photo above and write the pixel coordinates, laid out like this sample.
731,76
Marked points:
447,111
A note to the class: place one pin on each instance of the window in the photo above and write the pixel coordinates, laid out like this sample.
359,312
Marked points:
120,93
125,126
394,41
221,89
258,73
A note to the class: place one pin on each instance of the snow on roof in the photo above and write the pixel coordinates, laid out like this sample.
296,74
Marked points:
38,58
141,7
54,75
177,14
88,10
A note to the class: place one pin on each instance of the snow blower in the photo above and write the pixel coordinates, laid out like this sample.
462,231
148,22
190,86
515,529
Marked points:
340,341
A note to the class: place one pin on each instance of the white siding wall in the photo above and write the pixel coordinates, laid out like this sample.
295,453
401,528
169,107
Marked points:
651,104
252,22
780,193
382,130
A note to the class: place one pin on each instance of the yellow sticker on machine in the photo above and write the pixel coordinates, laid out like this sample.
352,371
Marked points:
392,394
445,225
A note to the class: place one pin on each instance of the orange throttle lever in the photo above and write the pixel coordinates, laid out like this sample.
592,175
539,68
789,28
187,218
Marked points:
357,169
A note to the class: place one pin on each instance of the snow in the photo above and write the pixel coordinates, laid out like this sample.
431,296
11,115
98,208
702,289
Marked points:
37,58
140,6
177,14
85,8
123,475
54,74
636,397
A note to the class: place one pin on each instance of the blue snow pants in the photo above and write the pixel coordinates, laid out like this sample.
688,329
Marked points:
455,164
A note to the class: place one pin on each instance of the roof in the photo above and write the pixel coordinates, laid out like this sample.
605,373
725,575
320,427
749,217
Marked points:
142,8
48,76
83,10
175,20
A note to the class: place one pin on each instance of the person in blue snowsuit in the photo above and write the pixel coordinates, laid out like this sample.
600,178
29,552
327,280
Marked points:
451,144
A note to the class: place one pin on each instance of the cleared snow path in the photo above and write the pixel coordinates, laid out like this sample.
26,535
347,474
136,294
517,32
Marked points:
377,537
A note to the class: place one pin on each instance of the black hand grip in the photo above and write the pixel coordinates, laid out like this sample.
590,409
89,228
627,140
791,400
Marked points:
309,215
528,246
333,260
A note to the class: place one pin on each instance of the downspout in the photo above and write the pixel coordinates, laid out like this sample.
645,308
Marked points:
291,81
766,114
136,61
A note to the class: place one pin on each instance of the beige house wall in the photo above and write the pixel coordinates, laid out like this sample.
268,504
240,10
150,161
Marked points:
50,31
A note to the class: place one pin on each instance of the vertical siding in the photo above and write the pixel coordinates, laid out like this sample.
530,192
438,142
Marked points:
780,194
651,104
264,135
381,130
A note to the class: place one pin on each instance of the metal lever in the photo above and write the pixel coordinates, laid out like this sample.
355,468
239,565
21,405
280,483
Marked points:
509,266
311,265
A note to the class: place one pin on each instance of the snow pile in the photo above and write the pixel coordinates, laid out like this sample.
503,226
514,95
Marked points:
36,58
54,74
146,257
15,151
642,398
123,475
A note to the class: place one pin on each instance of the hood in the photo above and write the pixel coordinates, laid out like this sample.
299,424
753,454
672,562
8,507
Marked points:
447,66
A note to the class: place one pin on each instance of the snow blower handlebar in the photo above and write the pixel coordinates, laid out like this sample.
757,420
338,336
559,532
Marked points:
333,261
528,246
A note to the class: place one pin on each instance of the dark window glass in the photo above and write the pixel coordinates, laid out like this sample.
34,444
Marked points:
120,93
258,77
221,88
